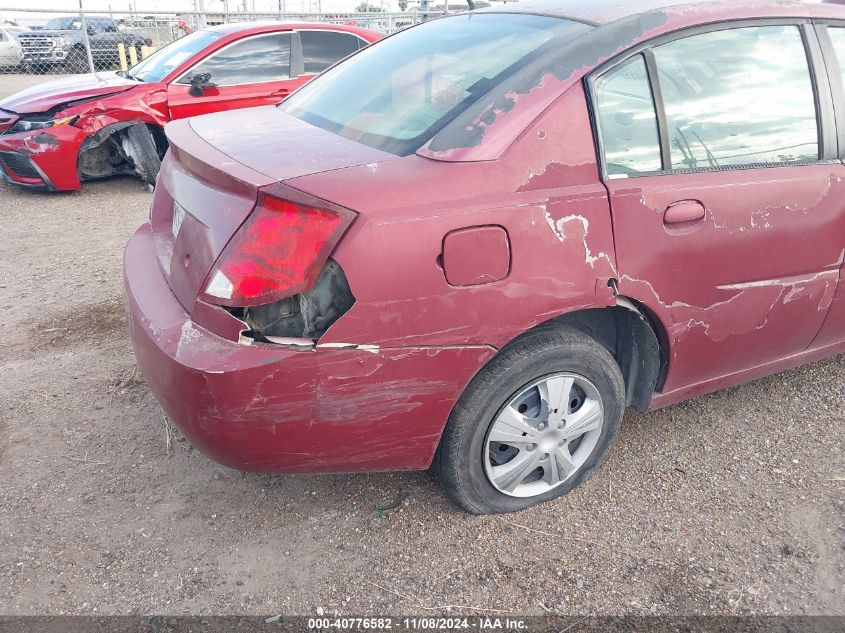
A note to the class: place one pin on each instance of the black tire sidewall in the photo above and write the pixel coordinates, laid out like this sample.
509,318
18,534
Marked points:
77,61
151,163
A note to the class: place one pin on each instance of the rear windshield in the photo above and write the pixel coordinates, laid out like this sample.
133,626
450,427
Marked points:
161,63
397,94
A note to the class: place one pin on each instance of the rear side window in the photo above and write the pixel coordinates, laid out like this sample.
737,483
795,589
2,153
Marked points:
256,59
3,37
739,97
321,49
627,120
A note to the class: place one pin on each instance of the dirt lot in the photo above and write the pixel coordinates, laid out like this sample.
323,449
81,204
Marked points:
732,503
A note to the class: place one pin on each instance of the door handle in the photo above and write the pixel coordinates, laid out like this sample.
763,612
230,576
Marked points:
684,212
282,92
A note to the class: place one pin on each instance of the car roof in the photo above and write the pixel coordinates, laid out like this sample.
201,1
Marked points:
600,12
239,27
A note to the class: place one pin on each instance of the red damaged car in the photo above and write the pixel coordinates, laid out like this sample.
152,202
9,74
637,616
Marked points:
475,243
60,133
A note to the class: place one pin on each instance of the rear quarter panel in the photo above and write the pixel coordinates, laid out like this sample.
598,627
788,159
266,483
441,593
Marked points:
545,192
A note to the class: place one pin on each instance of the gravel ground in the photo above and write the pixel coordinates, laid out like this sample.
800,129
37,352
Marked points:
731,503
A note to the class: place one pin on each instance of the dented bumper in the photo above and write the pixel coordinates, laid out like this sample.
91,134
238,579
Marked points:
270,408
42,159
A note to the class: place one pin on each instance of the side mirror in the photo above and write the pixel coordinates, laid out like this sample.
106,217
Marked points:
199,83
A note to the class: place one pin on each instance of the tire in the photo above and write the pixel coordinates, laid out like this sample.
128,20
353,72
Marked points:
77,61
142,150
464,461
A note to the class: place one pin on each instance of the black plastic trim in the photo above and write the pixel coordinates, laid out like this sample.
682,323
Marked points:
834,74
659,109
825,116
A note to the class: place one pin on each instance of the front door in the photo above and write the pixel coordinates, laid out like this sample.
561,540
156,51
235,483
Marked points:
732,235
249,72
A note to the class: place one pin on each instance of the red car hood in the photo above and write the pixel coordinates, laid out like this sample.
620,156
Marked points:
50,94
278,145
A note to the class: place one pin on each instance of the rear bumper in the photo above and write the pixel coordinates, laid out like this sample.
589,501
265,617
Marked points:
269,408
42,159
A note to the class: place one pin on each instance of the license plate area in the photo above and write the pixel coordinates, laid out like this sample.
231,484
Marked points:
178,217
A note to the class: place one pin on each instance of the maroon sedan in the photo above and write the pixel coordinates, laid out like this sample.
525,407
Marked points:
58,134
475,243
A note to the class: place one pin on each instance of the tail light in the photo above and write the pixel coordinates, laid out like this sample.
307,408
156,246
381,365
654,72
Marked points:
279,251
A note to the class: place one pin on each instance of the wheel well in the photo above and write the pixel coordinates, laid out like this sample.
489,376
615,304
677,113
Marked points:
634,339
101,155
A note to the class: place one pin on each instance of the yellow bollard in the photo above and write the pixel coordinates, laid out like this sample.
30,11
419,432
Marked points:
121,53
133,56
146,51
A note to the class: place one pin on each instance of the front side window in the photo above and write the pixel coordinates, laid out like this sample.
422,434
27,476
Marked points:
321,49
398,93
739,97
627,120
253,60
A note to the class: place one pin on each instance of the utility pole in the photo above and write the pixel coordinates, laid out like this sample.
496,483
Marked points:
202,14
84,27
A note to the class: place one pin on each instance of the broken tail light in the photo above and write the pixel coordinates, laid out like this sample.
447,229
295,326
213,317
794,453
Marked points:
279,251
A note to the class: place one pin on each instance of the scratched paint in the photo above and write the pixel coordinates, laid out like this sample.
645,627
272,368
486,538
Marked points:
375,391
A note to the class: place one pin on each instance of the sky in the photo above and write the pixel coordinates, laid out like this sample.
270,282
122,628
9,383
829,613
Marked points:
187,5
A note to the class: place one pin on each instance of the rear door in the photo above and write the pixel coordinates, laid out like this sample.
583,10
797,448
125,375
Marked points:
252,71
727,206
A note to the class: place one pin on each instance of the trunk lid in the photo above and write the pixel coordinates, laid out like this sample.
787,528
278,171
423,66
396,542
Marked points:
279,145
210,180
201,198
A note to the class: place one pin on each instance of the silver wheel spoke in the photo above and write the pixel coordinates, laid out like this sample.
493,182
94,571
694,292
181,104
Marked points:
508,476
564,461
558,466
587,418
511,427
510,438
555,391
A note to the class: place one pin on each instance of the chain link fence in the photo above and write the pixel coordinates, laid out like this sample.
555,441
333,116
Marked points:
62,42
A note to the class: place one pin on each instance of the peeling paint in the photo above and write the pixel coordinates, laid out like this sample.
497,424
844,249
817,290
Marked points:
559,229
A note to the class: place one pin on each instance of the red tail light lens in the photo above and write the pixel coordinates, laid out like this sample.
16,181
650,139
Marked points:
278,252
